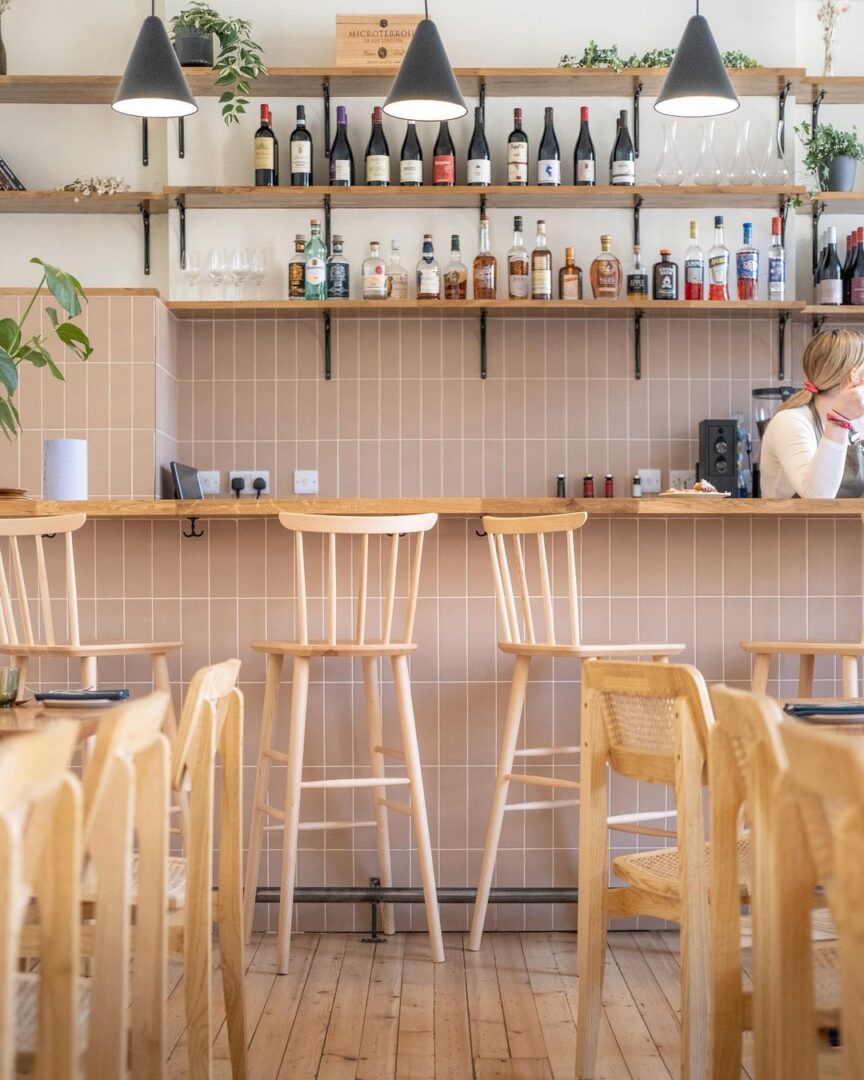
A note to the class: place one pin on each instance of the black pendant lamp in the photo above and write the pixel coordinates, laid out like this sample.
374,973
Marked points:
425,87
697,83
153,83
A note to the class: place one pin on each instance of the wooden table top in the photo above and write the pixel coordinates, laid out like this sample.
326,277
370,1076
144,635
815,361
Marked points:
21,719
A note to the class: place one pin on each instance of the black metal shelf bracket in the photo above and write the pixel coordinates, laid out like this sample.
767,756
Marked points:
818,211
483,364
637,212
327,211
181,137
328,356
637,93
193,532
818,323
785,203
817,101
781,114
482,207
781,345
325,90
181,206
145,141
145,219
482,96
637,345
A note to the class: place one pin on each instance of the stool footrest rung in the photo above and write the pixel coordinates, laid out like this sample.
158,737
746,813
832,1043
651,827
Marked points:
398,807
547,751
542,804
320,826
541,781
390,751
276,755
271,811
355,782
645,830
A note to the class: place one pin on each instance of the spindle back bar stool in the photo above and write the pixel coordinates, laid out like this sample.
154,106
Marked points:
346,578
527,616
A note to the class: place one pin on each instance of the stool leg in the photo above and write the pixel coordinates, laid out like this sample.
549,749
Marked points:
296,738
89,678
850,676
405,709
262,778
805,674
162,681
759,679
382,824
499,798
20,662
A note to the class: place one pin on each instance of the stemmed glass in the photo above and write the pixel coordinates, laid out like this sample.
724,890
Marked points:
258,269
218,267
192,270
241,266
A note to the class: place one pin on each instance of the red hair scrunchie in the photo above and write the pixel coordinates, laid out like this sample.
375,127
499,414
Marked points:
810,387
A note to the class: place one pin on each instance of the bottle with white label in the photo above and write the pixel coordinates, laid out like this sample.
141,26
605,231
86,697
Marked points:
829,273
541,266
338,273
517,153
341,157
377,153
301,152
266,152
428,273
485,276
479,160
316,264
584,158
518,265
622,164
397,275
549,158
411,161
374,274
777,262
455,273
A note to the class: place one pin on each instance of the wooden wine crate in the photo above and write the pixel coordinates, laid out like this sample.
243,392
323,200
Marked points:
373,40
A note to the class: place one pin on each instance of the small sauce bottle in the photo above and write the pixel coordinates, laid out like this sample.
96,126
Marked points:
610,486
588,487
561,486
637,486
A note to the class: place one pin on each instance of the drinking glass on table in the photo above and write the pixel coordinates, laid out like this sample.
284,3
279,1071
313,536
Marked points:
218,267
192,270
241,266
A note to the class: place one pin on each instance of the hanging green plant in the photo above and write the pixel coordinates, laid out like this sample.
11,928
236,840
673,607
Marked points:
596,57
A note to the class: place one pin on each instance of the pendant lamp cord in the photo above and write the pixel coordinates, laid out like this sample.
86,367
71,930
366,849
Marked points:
426,6
153,7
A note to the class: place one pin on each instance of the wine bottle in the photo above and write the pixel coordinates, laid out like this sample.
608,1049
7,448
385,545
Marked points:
266,152
485,277
518,269
341,157
829,283
377,153
411,159
517,153
479,161
854,241
541,266
301,152
622,164
856,294
584,159
444,160
338,272
549,157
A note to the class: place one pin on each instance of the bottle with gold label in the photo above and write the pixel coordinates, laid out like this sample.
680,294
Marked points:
569,278
455,273
606,272
297,269
485,267
541,266
637,277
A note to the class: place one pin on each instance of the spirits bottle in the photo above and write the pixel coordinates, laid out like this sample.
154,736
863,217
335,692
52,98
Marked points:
518,268
301,152
584,159
374,274
637,277
541,266
569,278
338,272
829,280
694,267
411,159
444,160
266,152
316,264
549,159
718,264
297,269
747,266
397,275
622,164
485,267
341,157
777,262
428,273
455,273
606,272
479,161
517,153
665,277
377,153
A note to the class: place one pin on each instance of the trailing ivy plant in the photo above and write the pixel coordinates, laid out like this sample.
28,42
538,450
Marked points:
15,350
596,57
823,145
240,58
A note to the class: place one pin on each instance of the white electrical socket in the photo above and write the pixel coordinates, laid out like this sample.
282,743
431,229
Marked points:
305,481
650,479
210,480
682,479
250,475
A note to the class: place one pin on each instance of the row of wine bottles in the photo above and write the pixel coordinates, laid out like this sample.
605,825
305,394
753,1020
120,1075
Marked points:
316,275
836,282
377,162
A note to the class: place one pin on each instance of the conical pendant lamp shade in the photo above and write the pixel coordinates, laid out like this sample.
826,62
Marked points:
425,87
153,83
697,83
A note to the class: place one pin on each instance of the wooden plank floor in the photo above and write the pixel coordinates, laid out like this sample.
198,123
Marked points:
351,1011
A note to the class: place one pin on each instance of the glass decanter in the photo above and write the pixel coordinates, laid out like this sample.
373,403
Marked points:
774,169
707,171
743,172
668,171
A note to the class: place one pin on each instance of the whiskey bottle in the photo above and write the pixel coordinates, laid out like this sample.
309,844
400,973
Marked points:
455,273
606,272
428,273
637,278
518,268
665,277
297,269
397,275
485,267
569,278
374,274
541,266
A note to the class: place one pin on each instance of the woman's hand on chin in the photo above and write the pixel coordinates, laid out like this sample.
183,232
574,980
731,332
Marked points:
847,400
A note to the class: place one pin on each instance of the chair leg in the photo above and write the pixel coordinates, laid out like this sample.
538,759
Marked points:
20,663
89,673
805,675
296,738
407,723
695,976
262,779
162,681
759,679
499,798
382,824
850,676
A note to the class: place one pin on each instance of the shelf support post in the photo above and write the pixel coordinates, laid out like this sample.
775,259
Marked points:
781,345
637,93
818,210
483,364
327,208
181,137
785,203
637,212
637,345
817,101
818,323
328,362
781,115
181,206
145,219
325,90
483,99
145,142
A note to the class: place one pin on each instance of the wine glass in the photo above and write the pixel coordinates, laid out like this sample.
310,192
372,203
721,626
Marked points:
192,270
241,266
258,269
218,267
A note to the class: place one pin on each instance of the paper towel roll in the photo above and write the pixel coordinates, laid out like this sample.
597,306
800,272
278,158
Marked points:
64,473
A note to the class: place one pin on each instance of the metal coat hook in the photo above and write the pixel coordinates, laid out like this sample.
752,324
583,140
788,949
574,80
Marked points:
480,532
193,532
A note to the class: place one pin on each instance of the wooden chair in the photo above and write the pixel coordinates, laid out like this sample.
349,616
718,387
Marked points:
350,639
526,641
34,636
648,722
40,856
820,809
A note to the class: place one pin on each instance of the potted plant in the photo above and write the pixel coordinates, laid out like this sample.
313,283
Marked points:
15,350
832,155
4,6
239,60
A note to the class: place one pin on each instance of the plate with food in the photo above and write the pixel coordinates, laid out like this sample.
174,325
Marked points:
702,489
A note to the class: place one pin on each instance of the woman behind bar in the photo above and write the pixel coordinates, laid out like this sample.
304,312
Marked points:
812,447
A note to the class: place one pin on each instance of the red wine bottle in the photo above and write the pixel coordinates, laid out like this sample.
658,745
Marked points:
622,164
341,158
444,162
517,153
479,160
266,152
377,153
856,294
301,152
411,160
829,277
549,157
584,158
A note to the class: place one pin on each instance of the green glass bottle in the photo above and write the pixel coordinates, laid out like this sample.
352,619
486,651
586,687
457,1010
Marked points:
316,264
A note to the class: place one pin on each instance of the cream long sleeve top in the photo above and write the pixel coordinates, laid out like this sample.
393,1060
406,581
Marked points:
796,461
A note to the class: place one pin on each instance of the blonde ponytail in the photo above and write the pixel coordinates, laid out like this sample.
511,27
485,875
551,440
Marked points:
829,359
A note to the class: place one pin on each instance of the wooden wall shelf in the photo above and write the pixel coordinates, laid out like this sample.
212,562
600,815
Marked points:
72,202
835,202
838,89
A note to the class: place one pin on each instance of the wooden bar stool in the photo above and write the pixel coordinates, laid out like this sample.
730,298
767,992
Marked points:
35,635
388,644
525,642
